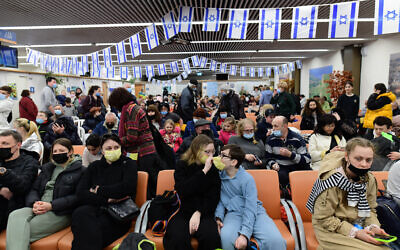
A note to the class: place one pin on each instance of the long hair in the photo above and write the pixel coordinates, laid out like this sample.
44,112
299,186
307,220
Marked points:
327,119
195,151
157,114
30,127
119,97
307,111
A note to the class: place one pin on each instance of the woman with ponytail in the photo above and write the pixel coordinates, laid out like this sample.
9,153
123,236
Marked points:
31,144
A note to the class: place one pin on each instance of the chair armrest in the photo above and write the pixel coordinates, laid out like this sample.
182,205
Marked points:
300,227
292,224
141,221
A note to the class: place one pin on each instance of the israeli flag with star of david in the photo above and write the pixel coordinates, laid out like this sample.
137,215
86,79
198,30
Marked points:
121,53
111,72
169,25
252,72
136,48
243,71
85,64
185,19
299,64
185,64
285,68
149,71
195,61
95,62
232,70
63,66
74,65
387,16
304,23
107,57
123,71
69,66
270,24
276,70
343,20
223,67
174,67
32,57
80,68
291,66
268,71
42,61
203,62
151,36
161,69
260,72
213,65
237,23
96,73
211,20
137,72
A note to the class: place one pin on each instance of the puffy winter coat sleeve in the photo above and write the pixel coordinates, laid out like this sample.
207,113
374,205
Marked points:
20,184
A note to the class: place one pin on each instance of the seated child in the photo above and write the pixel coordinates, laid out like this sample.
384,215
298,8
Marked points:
239,214
171,134
228,129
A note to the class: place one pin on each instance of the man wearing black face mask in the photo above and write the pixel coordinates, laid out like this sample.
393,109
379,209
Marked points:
202,126
17,173
110,125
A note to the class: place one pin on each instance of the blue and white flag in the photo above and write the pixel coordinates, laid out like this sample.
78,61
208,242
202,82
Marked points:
137,72
80,68
285,69
74,65
85,64
174,67
299,64
149,71
48,62
387,16
276,70
238,23
232,70
184,74
169,25
252,72
268,71
30,57
161,69
243,71
292,67
136,48
42,61
211,19
185,19
121,53
304,23
223,67
195,61
151,36
97,73
53,64
107,57
179,78
57,68
260,72
111,72
185,64
213,65
203,62
343,20
270,24
69,66
95,62
123,72
63,66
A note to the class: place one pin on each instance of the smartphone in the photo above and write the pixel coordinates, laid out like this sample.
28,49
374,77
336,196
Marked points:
384,238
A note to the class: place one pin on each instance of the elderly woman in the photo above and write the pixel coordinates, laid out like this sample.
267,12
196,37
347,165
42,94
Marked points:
343,200
284,102
254,149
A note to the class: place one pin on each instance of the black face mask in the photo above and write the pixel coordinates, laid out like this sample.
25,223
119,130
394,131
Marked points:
5,153
357,171
77,94
208,133
109,125
151,117
60,158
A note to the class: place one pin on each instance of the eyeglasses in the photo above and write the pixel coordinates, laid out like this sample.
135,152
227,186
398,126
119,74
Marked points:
226,156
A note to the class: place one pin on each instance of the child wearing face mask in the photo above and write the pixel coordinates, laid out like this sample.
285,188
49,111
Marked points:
171,135
228,130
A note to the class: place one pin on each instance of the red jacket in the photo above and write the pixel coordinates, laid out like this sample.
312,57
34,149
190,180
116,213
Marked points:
27,109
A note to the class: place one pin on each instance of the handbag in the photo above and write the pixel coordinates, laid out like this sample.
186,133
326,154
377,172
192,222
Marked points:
123,211
388,212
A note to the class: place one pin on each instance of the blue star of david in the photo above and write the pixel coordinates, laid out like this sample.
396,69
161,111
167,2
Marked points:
135,45
211,18
169,26
343,19
237,24
151,36
269,24
391,15
304,21
185,19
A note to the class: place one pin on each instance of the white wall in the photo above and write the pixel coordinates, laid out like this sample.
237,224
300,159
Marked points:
375,64
334,59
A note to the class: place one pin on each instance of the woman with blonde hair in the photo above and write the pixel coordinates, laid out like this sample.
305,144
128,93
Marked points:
198,185
31,141
284,102
254,149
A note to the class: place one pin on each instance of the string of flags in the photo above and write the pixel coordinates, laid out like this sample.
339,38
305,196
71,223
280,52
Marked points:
343,21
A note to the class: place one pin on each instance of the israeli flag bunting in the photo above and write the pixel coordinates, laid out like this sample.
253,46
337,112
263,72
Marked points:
48,62
123,72
151,36
203,62
136,48
285,68
185,64
107,57
174,81
238,23
211,19
174,67
252,72
57,65
185,19
299,64
63,65
291,66
387,17
85,64
223,67
149,71
195,61
74,65
161,69
243,71
43,61
268,71
96,73
260,72
69,66
184,74
304,23
232,71
169,25
179,78
79,68
137,72
111,72
95,62
213,65
29,58
53,64
276,70
343,20
270,24
121,53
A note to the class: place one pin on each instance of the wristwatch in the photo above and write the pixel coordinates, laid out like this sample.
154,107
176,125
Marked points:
2,170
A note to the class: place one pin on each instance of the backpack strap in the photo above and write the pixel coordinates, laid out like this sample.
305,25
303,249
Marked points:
164,223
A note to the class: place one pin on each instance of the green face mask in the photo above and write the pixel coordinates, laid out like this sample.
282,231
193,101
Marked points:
112,155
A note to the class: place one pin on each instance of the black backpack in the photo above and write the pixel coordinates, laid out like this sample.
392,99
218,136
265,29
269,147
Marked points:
136,241
388,212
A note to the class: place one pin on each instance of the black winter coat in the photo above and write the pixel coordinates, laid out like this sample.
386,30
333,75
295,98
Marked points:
64,193
187,104
234,105
70,132
307,122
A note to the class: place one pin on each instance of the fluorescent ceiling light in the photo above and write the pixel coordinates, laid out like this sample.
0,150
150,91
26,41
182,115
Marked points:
53,45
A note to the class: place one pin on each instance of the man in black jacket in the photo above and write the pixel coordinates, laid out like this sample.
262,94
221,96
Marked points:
187,103
233,104
17,173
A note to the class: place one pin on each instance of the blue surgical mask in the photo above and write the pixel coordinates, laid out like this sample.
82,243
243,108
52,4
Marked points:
277,133
164,112
129,90
55,85
223,116
98,94
57,112
224,94
195,120
248,136
39,121
2,97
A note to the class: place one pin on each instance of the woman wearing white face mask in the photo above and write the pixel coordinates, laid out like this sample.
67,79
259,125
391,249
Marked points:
6,106
254,149
109,180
